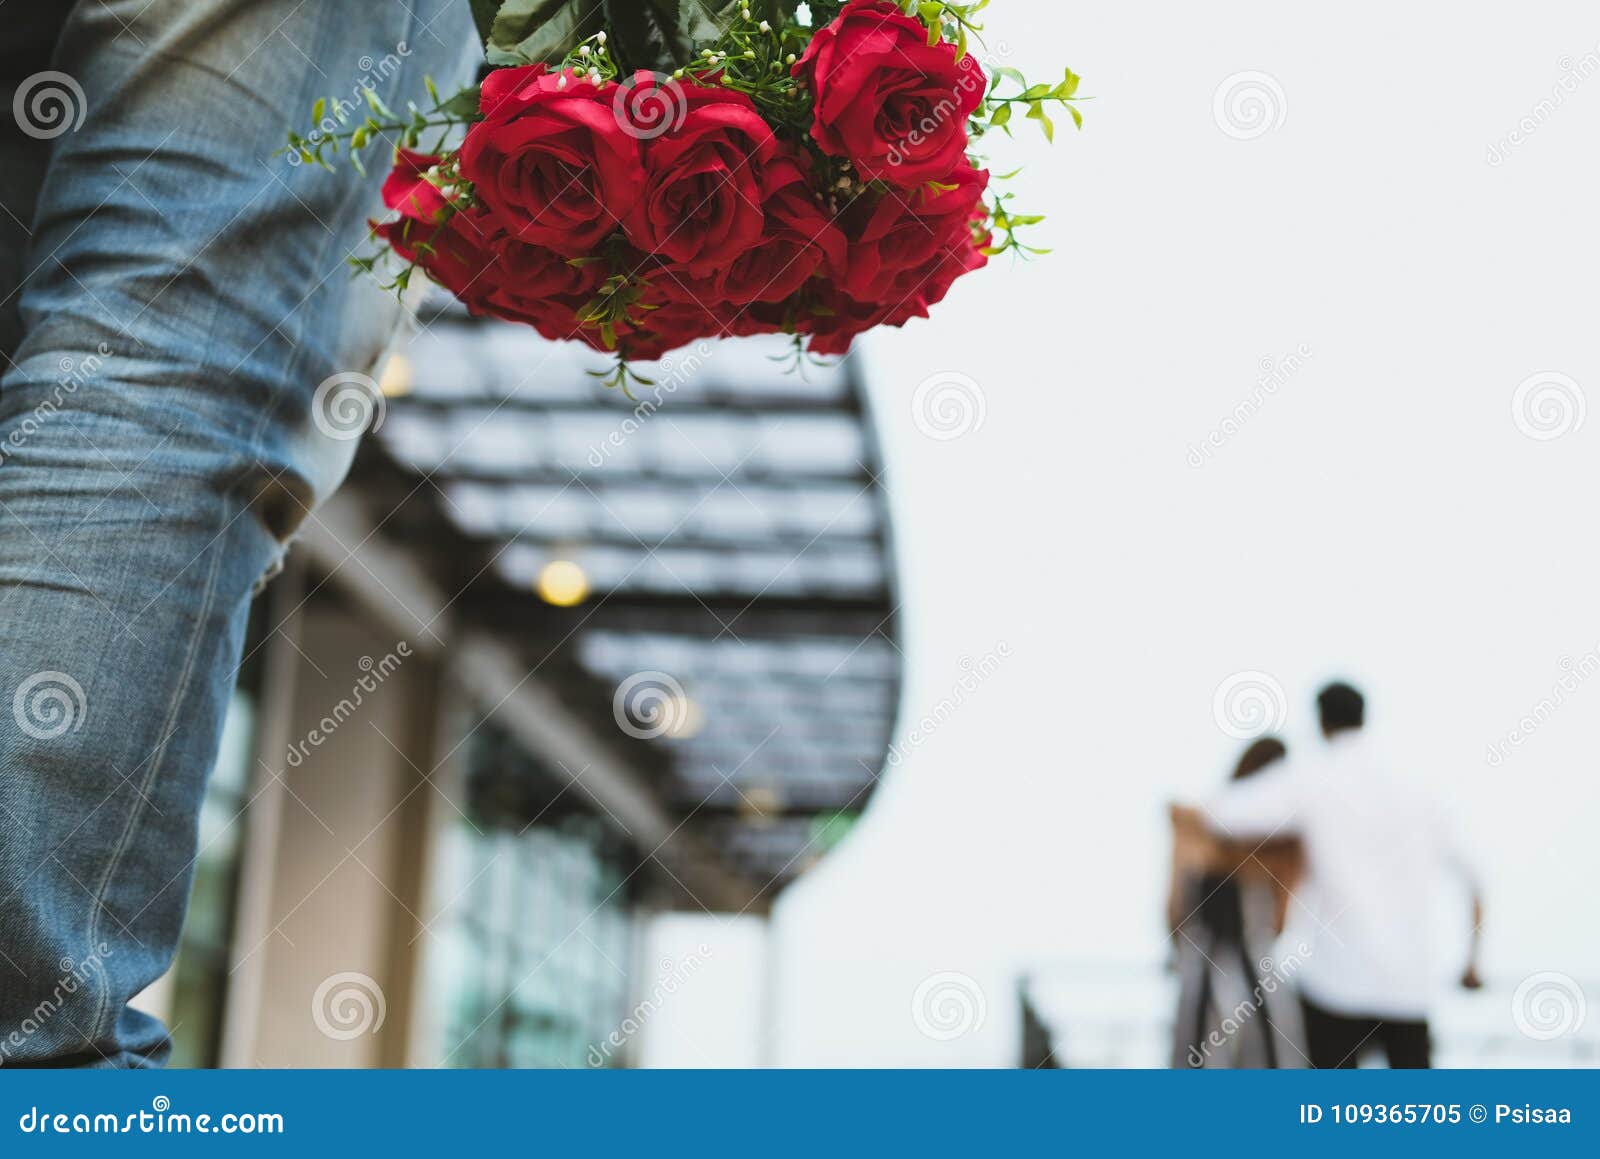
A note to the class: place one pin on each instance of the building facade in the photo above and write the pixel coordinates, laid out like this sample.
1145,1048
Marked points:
556,662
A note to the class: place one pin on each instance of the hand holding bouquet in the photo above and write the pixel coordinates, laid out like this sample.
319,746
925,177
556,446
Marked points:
645,174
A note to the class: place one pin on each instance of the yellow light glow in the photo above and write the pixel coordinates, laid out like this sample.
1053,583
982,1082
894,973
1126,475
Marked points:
395,381
760,805
563,584
687,719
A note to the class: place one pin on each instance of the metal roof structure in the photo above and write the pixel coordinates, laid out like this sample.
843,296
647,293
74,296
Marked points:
722,538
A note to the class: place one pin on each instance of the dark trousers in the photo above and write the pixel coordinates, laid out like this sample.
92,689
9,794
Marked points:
1337,1040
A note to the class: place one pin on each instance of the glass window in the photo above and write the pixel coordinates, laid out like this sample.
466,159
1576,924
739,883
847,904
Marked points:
537,942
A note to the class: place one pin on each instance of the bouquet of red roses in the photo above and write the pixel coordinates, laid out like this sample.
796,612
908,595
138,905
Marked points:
644,174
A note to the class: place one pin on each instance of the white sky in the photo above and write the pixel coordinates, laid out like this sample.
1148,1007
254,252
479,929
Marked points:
1382,516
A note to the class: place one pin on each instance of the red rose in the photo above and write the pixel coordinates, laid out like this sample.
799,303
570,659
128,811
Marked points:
677,305
835,321
886,99
559,322
905,253
897,239
454,253
536,285
798,238
408,190
701,202
673,326
551,162
453,247
842,319
682,310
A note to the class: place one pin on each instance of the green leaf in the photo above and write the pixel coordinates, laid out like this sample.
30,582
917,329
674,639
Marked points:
1006,72
464,104
530,31
646,34
483,14
659,35
702,23
1001,116
375,103
1037,113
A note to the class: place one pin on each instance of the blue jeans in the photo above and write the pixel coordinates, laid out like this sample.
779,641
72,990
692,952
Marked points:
171,296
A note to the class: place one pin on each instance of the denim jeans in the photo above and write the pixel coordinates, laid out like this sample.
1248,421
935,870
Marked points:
171,296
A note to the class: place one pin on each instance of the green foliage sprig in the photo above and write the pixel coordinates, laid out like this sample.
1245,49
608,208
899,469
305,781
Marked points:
334,125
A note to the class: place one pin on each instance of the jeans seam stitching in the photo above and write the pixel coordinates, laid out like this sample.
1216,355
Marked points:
137,812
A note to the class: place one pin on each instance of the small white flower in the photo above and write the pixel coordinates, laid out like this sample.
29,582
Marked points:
765,27
584,51
599,37
562,83
594,75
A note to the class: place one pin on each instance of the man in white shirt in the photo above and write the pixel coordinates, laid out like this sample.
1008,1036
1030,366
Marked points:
1375,841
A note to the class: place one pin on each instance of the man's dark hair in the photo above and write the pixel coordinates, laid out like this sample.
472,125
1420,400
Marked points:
1258,756
1342,707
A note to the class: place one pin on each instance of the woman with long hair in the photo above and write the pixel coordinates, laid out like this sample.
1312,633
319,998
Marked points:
1225,908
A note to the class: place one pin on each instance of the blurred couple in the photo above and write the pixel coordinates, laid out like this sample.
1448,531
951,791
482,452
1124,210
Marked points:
1301,901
